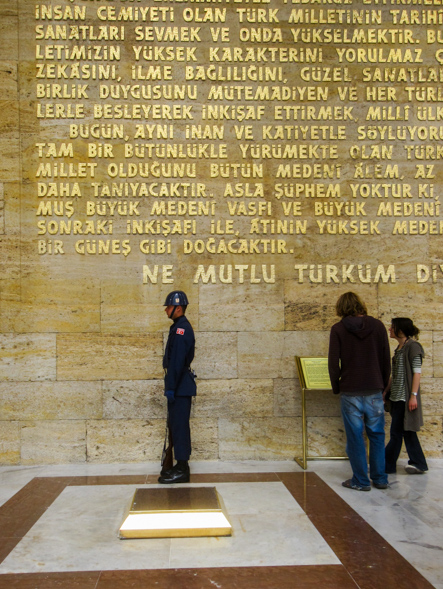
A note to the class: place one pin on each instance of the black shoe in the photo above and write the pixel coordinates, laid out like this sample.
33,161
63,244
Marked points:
179,473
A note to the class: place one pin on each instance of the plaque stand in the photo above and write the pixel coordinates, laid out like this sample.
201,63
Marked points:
313,376
175,512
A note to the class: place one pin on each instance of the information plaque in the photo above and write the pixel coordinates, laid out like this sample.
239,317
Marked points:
313,373
314,376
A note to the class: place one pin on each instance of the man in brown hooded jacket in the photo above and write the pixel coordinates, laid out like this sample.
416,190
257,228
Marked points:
359,368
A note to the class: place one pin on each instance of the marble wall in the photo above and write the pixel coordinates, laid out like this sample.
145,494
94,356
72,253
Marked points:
82,338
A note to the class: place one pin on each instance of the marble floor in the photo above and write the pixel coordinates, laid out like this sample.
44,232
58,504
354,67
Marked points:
291,528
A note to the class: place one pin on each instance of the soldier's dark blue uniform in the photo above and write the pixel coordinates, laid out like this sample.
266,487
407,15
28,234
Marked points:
179,354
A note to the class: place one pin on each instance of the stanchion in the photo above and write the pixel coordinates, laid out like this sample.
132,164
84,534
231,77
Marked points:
313,376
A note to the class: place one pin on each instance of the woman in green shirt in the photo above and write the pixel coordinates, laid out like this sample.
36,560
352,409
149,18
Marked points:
403,392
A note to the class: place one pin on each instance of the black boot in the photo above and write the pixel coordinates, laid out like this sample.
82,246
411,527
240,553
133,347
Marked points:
165,472
178,474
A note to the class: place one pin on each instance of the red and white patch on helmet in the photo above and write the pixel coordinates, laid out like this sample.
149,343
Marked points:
180,331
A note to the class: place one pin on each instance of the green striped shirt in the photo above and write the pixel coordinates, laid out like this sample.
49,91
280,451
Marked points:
398,385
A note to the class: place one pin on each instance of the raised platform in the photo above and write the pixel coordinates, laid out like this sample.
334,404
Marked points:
175,512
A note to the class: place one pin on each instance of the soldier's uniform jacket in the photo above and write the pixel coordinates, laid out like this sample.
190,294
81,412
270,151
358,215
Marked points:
179,354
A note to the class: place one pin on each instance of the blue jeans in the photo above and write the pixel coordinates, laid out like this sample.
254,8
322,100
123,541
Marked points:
365,413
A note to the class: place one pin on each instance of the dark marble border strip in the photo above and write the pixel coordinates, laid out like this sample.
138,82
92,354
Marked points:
368,561
302,577
367,556
19,514
233,477
77,580
290,577
94,481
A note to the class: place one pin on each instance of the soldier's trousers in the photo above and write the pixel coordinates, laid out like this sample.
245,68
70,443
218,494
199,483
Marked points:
179,414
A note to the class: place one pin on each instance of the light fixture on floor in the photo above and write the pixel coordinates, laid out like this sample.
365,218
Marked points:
175,512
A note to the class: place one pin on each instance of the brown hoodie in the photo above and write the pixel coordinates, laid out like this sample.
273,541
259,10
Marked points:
359,356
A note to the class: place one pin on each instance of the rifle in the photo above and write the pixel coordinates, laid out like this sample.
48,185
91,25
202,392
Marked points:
167,461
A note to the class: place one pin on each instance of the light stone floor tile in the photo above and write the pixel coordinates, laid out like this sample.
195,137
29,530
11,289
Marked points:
413,539
7,491
257,498
258,540
80,532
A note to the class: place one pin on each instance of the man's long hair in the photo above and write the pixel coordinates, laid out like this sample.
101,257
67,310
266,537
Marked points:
350,304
